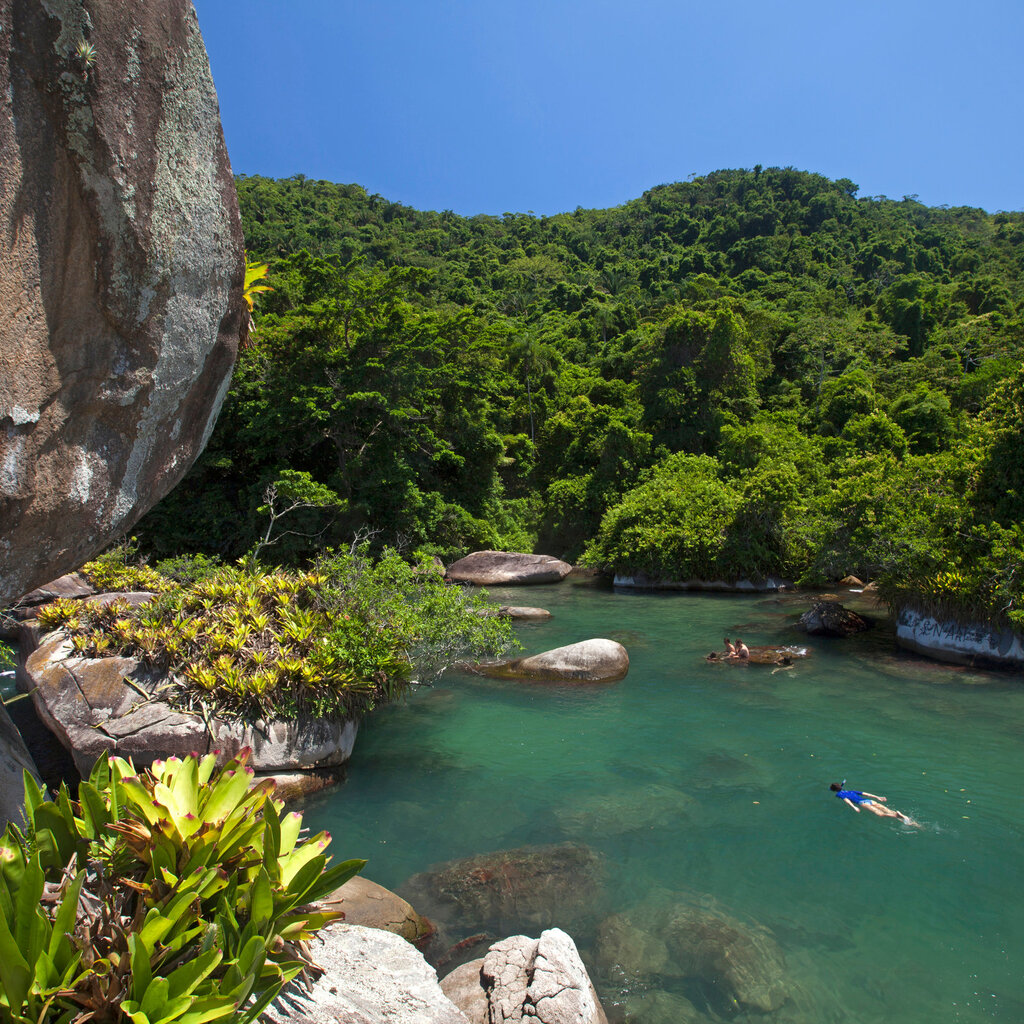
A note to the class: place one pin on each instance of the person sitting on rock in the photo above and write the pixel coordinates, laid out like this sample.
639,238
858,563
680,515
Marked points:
875,804
742,650
730,650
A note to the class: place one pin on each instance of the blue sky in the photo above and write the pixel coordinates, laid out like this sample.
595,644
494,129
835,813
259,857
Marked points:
545,105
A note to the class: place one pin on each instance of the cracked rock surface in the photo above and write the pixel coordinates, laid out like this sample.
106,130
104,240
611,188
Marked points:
522,979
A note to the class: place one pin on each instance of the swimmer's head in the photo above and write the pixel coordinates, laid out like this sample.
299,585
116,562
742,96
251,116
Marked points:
835,787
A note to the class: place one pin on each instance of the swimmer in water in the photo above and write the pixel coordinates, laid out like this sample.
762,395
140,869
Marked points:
870,801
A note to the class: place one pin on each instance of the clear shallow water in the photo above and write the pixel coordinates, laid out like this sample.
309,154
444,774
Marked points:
878,922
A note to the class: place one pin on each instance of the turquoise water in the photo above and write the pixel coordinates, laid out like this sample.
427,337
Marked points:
878,922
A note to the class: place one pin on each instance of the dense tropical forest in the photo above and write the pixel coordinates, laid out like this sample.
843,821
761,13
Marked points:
754,372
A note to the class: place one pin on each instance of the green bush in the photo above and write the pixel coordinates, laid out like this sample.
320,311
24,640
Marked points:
171,895
332,642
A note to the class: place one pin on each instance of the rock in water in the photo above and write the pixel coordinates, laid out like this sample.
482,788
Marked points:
830,618
506,568
529,887
589,661
121,285
371,905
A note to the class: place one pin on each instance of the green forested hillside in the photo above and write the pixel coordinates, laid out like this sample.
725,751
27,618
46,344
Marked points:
752,372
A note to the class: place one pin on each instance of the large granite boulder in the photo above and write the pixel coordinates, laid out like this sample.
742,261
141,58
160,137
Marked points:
507,568
15,760
533,887
121,282
589,661
830,618
520,978
369,977
99,705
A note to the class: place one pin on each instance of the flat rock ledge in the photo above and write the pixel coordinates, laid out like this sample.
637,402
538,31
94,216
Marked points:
93,710
589,661
370,977
959,644
641,581
507,568
524,979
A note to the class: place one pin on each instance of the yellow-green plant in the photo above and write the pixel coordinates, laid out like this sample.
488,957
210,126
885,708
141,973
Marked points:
177,895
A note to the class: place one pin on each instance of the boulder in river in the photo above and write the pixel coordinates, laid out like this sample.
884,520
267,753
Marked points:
741,964
737,965
830,618
589,661
619,811
121,282
507,568
540,980
371,905
531,887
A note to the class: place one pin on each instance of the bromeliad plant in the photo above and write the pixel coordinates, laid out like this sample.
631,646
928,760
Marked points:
336,641
176,895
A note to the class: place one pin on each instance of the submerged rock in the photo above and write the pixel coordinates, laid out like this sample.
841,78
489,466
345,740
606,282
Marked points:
739,966
532,887
589,661
507,568
830,618
626,810
657,1006
741,963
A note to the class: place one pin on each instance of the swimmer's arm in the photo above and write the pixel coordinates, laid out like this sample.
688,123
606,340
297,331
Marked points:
847,800
872,796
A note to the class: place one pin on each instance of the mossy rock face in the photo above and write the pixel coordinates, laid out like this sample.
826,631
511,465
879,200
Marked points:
101,705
